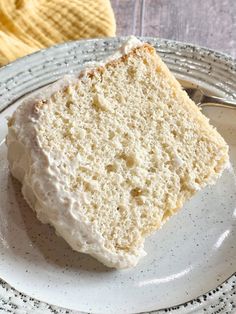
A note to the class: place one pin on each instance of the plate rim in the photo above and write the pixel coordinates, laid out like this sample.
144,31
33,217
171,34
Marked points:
211,53
194,304
217,53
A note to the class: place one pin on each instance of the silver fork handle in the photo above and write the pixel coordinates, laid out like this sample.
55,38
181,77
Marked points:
215,101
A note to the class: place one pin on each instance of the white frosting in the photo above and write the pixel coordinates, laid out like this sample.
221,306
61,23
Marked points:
44,187
130,44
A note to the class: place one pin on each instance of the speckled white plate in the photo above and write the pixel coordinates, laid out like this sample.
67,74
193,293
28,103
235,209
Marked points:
194,253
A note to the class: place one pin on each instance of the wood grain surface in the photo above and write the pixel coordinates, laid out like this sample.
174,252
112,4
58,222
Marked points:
209,23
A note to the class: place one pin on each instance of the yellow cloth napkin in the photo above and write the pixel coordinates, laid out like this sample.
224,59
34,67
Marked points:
29,25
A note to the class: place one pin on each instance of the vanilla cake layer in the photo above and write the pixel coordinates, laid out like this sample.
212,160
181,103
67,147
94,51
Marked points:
109,156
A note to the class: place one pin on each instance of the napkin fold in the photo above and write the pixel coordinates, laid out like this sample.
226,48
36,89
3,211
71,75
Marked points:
29,25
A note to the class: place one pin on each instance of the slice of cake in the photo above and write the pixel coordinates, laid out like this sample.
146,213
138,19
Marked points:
109,156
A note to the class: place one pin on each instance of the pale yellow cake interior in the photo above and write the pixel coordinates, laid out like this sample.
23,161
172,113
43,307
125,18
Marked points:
133,143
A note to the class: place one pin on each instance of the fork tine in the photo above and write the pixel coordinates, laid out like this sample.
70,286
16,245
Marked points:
190,91
195,94
203,99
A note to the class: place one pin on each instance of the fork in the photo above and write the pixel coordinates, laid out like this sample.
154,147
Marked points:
203,99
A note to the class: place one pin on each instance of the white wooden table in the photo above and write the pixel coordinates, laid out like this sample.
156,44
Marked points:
209,23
